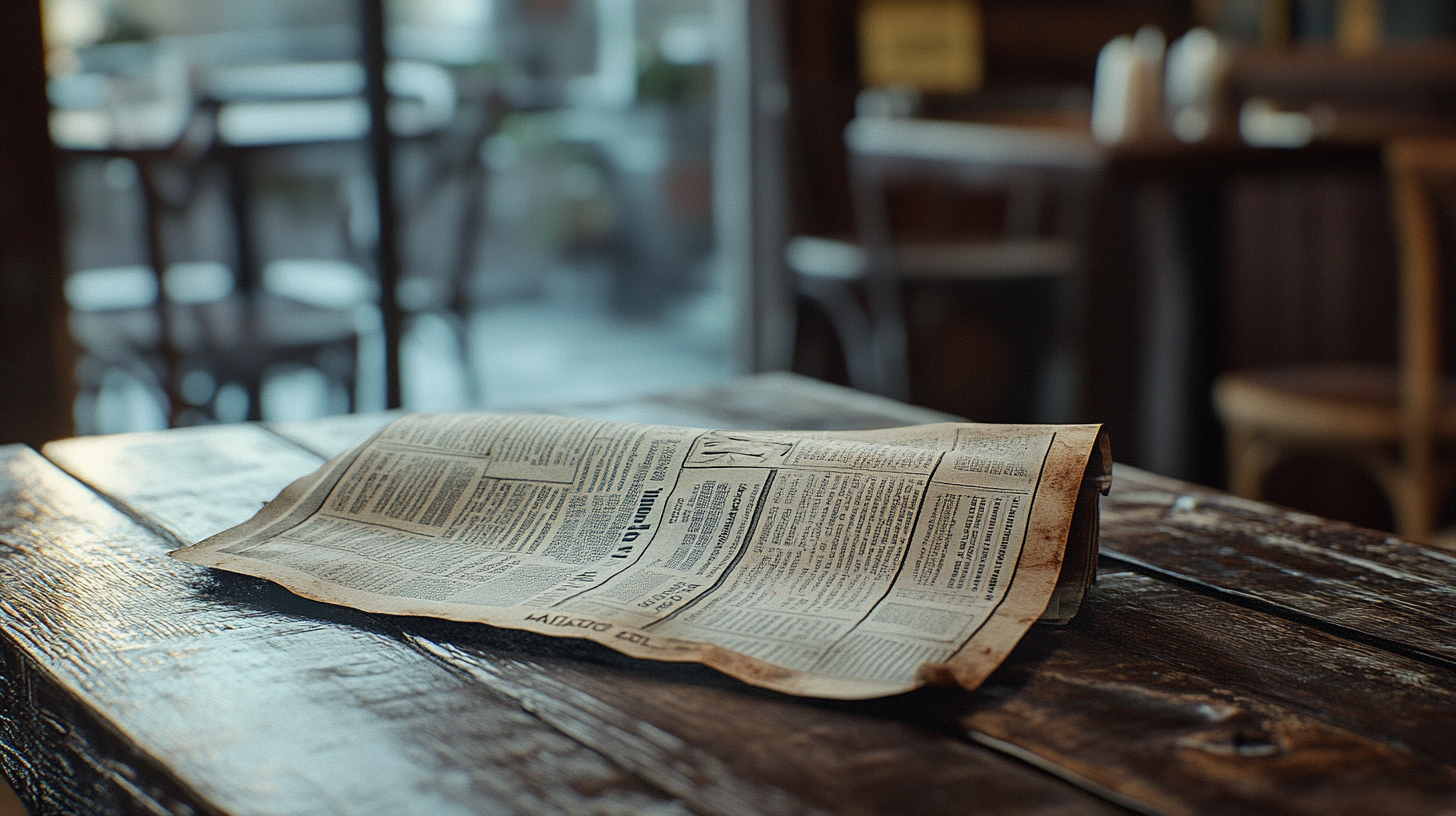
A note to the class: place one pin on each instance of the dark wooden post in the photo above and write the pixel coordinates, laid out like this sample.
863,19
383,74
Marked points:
37,385
381,152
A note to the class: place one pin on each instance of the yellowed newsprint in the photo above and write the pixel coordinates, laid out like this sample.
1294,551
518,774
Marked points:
832,564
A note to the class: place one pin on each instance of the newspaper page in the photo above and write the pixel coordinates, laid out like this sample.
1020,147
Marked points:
835,564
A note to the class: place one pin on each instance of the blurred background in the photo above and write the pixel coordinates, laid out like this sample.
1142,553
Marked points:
552,192
588,200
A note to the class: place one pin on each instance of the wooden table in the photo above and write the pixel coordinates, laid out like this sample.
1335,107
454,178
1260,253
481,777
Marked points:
1232,658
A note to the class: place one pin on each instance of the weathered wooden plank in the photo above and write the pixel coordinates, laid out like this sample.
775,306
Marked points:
193,482
1191,705
726,748
1156,697
1349,684
64,758
136,683
1367,584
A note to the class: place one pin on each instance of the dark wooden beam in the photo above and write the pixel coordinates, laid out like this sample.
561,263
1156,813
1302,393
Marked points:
381,152
36,357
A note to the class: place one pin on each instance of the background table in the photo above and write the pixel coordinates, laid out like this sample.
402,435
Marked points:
1232,658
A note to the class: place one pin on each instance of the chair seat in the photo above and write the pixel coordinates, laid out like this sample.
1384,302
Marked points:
1016,258
233,339
1346,403
262,328
833,259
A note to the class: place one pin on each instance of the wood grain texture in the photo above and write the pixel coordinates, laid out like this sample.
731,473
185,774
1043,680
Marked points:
136,683
726,748
1190,705
1365,584
189,482
1114,717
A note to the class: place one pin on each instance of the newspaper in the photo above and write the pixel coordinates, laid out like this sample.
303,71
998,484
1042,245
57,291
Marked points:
847,564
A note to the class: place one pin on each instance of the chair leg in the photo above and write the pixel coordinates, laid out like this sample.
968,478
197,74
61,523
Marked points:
891,339
1414,490
1060,379
1413,501
1250,458
472,219
852,326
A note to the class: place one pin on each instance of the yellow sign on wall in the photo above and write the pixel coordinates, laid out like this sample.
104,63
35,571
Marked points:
931,45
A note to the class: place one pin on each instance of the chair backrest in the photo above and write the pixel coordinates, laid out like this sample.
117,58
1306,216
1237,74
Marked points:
1029,166
1416,167
1025,163
970,144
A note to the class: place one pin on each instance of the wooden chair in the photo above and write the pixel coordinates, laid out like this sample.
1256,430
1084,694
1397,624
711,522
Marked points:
149,322
286,113
1030,166
1394,421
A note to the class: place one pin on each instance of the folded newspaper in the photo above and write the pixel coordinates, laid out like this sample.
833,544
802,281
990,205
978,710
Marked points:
846,564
